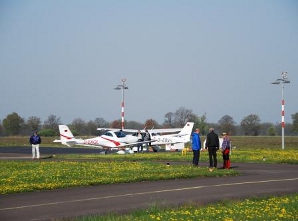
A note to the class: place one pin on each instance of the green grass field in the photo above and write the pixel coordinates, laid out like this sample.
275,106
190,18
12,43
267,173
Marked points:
255,209
72,170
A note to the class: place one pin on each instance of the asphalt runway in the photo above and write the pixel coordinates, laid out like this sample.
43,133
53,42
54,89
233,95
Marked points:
256,180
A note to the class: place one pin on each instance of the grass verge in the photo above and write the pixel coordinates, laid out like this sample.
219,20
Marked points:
24,176
266,209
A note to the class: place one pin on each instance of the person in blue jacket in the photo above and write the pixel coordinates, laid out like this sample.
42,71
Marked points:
196,147
35,140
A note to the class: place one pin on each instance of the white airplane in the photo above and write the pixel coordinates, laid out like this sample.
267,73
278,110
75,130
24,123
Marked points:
167,130
173,142
109,139
118,140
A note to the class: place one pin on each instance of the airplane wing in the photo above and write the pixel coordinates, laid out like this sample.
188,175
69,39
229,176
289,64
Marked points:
165,130
69,143
111,129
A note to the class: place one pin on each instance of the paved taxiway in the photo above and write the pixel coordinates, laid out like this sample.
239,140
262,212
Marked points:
256,180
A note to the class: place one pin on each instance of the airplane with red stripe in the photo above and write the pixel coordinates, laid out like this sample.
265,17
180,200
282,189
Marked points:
109,139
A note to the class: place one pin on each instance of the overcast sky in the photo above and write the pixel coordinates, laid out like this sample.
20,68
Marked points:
216,57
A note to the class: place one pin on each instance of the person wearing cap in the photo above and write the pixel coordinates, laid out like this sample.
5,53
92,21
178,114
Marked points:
196,147
225,149
35,140
212,144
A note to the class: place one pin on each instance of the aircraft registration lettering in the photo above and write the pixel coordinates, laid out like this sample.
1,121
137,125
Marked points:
163,139
91,141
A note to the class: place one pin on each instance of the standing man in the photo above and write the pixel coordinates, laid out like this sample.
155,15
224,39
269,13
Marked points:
225,149
140,139
147,138
212,143
35,140
196,147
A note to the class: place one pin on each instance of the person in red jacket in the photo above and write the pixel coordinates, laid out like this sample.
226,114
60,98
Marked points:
225,149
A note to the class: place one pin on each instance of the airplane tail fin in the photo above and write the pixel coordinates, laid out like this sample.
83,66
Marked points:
65,133
66,136
187,129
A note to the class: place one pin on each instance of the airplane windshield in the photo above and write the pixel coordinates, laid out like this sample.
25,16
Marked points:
108,134
120,134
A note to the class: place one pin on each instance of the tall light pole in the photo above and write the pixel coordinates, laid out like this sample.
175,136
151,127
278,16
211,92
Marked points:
122,87
283,80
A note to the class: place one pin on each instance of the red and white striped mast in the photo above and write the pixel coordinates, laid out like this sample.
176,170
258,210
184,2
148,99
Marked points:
283,80
122,87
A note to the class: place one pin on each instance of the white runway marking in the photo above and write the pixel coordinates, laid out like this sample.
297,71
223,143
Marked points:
145,193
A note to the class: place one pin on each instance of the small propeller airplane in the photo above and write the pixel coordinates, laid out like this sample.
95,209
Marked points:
117,139
109,139
173,142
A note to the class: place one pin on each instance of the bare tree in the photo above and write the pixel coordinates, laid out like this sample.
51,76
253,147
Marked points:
33,123
116,124
150,124
91,128
52,122
100,122
134,125
169,119
182,116
227,124
251,125
79,125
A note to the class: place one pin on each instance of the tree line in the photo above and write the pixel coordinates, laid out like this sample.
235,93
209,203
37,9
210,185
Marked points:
251,125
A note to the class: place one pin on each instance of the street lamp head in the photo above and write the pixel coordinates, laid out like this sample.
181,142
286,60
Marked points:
120,87
284,74
283,81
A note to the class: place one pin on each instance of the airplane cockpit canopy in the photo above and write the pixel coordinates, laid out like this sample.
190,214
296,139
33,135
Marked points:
120,133
108,133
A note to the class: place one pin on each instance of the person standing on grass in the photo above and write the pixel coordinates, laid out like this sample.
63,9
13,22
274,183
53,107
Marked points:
212,143
35,140
196,147
225,149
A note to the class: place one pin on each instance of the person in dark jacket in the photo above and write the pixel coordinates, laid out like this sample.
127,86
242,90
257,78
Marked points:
212,144
196,147
35,140
147,138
